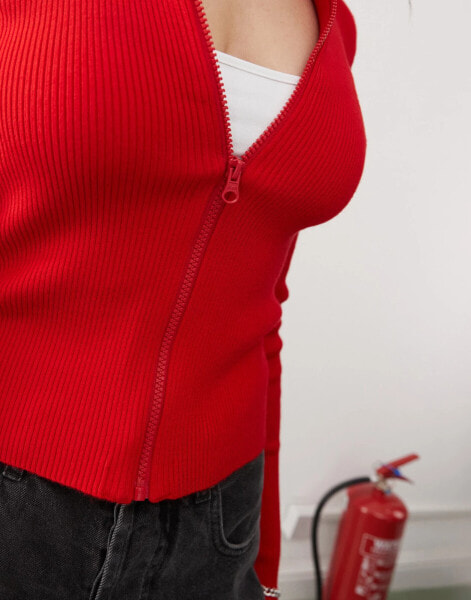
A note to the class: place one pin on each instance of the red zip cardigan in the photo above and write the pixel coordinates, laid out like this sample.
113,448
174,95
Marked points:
142,264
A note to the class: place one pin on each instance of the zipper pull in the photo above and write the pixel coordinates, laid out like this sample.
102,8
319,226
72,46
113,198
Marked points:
230,193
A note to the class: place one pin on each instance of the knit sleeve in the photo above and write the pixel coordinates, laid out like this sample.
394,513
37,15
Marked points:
268,558
348,30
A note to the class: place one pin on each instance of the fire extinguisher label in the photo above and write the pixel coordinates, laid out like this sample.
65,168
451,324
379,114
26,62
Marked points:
376,568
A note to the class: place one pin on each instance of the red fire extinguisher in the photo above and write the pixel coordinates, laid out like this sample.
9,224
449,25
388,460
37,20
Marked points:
368,537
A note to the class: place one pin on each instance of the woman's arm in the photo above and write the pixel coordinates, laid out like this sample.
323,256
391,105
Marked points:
267,562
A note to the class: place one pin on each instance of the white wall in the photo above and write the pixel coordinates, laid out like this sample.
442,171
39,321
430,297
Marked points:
377,328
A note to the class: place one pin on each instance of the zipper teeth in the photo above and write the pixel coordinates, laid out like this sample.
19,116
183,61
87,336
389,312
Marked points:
186,287
252,150
185,290
217,68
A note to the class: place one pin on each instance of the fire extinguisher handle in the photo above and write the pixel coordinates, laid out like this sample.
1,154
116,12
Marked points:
390,469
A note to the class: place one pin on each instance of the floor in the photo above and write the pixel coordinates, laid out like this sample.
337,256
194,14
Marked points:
454,593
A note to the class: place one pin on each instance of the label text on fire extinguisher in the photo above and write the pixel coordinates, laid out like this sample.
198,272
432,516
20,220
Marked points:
376,568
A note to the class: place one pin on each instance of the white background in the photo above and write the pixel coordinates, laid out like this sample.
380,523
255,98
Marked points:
377,328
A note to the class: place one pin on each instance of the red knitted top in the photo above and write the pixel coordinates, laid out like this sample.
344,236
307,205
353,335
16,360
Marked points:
143,264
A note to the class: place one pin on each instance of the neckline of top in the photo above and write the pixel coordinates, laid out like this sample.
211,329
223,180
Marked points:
256,69
326,13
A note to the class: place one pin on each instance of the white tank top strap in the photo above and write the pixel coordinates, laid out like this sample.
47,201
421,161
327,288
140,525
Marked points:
255,96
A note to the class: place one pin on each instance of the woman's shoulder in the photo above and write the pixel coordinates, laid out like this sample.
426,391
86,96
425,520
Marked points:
348,29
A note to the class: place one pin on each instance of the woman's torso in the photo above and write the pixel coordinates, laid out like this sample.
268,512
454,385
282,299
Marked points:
134,302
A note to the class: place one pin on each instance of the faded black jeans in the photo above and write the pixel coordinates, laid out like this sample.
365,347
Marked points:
57,543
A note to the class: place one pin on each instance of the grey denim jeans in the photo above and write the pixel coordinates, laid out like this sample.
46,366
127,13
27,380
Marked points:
57,543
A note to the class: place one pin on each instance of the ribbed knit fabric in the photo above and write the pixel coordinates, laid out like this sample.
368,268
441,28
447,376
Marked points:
139,307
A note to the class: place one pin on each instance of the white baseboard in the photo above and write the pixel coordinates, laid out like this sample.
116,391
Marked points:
435,549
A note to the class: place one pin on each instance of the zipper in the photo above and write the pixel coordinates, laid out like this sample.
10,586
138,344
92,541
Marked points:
250,153
227,193
215,208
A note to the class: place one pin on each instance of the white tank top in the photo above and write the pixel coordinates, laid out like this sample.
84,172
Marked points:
255,96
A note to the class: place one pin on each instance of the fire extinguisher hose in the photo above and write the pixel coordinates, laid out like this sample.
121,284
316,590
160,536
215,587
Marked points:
315,523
